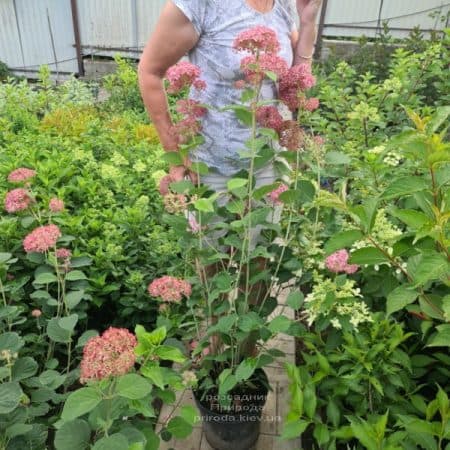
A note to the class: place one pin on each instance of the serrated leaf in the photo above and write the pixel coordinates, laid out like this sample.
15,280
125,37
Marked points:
80,402
73,435
133,386
399,298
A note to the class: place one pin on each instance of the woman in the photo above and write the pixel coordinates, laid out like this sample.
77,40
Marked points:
205,29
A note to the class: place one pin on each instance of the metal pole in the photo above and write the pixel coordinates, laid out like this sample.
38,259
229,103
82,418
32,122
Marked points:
323,14
76,32
135,23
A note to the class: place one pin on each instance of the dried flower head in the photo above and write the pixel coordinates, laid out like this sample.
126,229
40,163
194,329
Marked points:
291,135
258,39
111,354
56,205
42,239
17,200
169,289
20,175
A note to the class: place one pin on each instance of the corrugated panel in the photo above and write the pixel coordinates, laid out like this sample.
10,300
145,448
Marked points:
10,51
37,32
349,18
117,24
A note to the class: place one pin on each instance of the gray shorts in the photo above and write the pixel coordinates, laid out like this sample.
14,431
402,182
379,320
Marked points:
218,183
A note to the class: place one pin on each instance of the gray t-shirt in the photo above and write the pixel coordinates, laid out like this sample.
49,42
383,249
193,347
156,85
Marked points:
218,22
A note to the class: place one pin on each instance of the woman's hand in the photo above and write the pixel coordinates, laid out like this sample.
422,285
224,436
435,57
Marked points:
307,11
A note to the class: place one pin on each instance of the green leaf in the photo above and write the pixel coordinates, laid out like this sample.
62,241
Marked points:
73,298
368,255
428,267
73,435
133,386
204,205
295,299
189,414
116,441
200,168
293,430
280,324
157,336
45,278
11,341
179,428
245,369
18,429
80,402
321,434
438,118
10,394
404,186
24,368
337,158
226,383
52,379
310,400
56,333
170,354
173,158
441,338
236,183
414,219
399,298
80,261
345,239
333,413
68,323
75,275
154,374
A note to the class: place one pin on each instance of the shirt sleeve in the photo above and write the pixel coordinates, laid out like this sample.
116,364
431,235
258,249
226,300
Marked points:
195,11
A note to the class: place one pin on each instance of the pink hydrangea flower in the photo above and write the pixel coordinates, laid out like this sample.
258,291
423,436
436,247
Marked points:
274,196
109,355
269,117
56,205
63,253
191,108
169,289
36,313
258,39
20,175
255,67
184,75
17,200
338,263
239,84
41,239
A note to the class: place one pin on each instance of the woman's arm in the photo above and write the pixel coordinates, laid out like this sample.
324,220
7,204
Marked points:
307,10
173,37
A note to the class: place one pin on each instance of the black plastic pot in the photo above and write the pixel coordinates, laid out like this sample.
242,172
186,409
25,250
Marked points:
238,430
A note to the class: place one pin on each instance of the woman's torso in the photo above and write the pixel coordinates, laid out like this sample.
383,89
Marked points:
218,22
